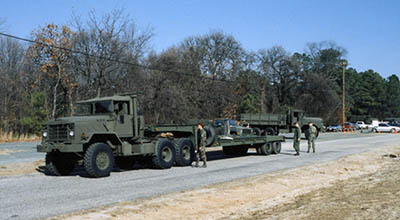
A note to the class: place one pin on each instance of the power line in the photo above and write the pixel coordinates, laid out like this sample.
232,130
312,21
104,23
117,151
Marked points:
108,59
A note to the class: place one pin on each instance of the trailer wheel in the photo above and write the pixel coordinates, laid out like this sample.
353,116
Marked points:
125,163
269,131
276,147
210,135
266,149
184,152
165,154
257,131
258,150
58,164
99,160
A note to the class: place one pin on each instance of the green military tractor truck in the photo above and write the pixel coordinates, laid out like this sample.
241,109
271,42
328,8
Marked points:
272,124
110,131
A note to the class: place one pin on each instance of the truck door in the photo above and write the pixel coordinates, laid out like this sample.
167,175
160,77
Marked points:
124,123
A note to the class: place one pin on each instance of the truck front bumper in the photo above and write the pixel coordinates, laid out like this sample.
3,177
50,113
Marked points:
67,148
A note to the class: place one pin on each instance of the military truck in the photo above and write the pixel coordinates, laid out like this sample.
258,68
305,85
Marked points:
272,124
110,130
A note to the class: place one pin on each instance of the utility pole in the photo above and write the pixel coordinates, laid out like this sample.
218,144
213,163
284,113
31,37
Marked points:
344,64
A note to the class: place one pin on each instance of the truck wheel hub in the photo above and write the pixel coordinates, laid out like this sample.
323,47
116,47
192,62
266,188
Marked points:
102,160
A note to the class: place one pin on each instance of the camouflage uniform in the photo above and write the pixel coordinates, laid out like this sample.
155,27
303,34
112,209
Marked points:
312,132
296,140
201,152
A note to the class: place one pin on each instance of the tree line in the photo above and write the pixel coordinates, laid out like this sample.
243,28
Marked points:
204,76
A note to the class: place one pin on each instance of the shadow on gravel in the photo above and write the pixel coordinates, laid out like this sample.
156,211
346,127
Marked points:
146,163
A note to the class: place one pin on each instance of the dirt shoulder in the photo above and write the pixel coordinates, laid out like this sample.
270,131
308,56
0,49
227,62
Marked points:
309,192
20,168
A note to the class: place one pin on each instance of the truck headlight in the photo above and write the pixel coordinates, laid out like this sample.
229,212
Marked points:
45,134
71,133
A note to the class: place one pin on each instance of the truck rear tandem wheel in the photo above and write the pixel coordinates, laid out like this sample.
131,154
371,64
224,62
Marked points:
164,156
184,152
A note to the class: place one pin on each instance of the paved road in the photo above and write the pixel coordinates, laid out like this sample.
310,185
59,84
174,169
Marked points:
38,196
23,152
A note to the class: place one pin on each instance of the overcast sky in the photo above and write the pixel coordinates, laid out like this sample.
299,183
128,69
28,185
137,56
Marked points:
368,29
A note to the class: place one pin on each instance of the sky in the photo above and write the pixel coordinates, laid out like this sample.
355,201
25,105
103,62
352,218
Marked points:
368,29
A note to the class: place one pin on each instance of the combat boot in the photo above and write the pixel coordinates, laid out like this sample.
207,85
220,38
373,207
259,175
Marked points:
196,164
204,165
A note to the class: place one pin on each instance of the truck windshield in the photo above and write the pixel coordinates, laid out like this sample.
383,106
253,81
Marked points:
103,107
83,109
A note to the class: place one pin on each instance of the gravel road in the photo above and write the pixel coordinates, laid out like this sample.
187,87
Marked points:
39,196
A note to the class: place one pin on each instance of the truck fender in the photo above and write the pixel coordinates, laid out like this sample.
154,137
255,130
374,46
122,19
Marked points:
111,138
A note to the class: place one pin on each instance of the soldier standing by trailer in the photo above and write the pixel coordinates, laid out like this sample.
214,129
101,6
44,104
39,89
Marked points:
201,152
297,138
312,132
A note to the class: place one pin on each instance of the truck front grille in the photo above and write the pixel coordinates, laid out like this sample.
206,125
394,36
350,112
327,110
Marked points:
58,132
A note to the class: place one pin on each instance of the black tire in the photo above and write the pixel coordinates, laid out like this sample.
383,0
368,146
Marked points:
184,152
99,160
165,154
269,131
125,163
59,164
210,135
276,147
258,150
257,131
266,149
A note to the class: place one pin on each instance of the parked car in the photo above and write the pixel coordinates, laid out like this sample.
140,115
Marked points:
334,128
394,123
361,125
383,127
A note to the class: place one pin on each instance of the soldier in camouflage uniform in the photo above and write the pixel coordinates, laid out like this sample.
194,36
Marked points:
297,138
201,152
312,132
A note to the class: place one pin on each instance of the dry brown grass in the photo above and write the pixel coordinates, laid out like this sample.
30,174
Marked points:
6,137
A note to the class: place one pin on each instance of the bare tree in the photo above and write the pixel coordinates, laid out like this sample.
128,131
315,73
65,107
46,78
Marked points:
12,93
113,37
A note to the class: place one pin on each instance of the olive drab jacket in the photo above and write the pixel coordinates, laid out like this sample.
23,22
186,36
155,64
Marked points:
297,134
312,132
203,138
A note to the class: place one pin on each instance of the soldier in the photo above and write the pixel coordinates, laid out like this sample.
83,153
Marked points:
202,137
297,138
312,132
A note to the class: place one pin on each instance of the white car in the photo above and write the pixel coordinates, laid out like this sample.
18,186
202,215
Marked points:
383,127
361,125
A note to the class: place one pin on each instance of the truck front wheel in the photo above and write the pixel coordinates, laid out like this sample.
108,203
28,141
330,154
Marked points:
58,164
165,154
99,160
